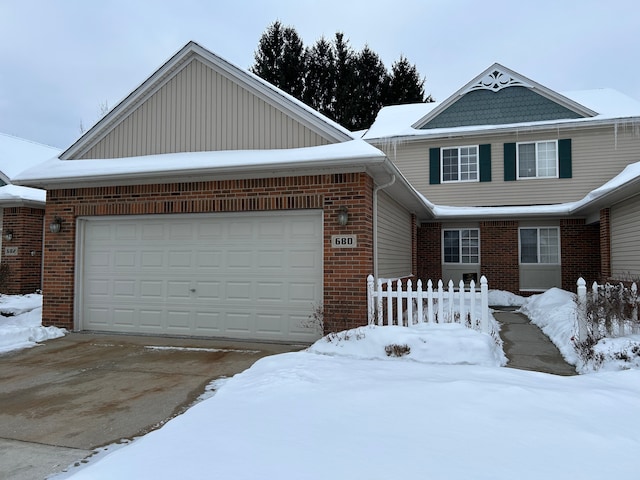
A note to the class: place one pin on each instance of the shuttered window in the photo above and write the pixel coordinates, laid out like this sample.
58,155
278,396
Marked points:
460,164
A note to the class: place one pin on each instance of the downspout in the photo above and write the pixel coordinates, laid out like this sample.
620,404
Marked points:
375,223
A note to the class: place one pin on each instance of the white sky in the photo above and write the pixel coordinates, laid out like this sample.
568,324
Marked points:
62,60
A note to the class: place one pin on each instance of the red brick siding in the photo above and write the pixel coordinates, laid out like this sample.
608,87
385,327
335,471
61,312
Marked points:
345,270
605,244
580,252
499,254
25,269
429,247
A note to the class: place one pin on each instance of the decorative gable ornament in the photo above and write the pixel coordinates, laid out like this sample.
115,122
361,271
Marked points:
496,80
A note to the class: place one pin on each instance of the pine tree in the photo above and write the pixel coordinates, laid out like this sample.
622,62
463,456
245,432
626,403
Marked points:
370,89
405,85
280,59
320,80
343,105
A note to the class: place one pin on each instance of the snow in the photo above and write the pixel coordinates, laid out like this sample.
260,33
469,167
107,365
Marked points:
194,163
344,409
21,322
17,154
10,193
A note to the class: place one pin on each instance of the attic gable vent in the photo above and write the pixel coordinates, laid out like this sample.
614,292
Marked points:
495,81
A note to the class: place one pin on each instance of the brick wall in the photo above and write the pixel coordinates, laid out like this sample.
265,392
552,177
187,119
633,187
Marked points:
345,270
25,268
499,254
580,252
429,249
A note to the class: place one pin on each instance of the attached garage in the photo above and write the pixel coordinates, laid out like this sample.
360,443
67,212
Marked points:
241,275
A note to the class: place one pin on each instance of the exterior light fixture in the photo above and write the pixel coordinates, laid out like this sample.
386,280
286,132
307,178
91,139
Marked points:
343,216
56,225
8,235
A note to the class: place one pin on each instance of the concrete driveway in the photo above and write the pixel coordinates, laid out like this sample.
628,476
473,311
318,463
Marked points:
62,399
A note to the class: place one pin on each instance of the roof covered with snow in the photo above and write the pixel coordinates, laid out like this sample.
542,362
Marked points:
396,121
17,154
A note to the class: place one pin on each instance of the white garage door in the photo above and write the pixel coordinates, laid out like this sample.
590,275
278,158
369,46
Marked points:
245,276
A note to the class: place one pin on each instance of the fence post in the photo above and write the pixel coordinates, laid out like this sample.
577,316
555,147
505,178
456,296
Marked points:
484,303
451,301
389,303
430,318
582,310
419,302
635,328
409,303
379,302
461,295
472,303
370,309
398,303
440,302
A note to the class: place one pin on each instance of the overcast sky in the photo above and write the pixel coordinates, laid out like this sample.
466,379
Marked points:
61,60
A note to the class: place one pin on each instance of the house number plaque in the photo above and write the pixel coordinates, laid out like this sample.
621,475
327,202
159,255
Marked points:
344,241
11,251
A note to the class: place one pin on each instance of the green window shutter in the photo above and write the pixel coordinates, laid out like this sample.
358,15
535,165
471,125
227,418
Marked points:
485,162
434,166
564,158
509,162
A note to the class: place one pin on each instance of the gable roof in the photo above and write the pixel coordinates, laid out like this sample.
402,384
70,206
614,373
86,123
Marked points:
498,78
294,108
603,106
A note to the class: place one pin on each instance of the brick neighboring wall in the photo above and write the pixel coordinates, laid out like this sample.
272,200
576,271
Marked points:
24,269
345,270
499,254
429,250
580,252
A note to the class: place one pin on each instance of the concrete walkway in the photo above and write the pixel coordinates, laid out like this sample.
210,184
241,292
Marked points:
527,348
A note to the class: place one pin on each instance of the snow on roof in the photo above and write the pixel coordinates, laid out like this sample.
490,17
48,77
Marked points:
195,163
396,121
18,194
17,154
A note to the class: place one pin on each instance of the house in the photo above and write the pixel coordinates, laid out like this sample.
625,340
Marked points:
210,203
514,173
21,216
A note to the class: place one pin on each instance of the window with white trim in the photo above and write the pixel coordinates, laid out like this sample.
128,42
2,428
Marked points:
461,245
460,164
540,245
538,159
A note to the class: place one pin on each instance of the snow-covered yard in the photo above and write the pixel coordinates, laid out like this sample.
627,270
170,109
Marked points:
344,409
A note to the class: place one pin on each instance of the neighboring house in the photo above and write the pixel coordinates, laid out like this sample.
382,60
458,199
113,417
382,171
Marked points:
209,202
21,216
513,172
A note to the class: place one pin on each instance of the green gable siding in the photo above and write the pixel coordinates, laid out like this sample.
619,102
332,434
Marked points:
506,106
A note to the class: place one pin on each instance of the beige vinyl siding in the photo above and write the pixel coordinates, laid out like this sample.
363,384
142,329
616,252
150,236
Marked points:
598,154
199,109
394,238
625,239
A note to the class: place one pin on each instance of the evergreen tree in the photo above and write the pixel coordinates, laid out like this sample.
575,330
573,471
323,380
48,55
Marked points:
320,80
280,59
405,85
370,89
343,105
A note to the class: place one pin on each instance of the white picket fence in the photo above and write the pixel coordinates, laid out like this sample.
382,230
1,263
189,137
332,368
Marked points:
611,321
406,306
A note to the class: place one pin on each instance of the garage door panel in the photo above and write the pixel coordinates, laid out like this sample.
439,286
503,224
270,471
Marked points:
248,277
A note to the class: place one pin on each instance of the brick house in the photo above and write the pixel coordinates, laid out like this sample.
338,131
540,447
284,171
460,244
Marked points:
209,202
515,174
21,216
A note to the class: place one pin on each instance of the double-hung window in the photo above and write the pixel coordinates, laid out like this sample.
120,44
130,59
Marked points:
538,159
540,245
461,245
460,164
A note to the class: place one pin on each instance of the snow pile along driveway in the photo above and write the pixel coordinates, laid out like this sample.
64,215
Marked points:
21,322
